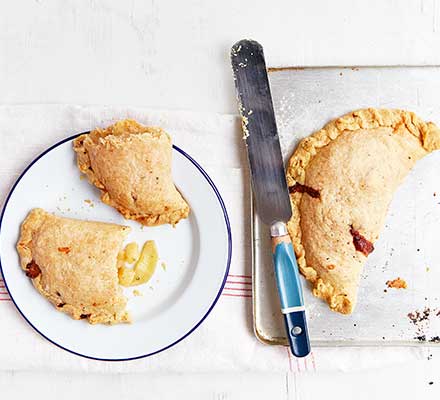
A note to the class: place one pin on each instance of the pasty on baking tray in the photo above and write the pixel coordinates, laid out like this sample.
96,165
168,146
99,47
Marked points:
342,179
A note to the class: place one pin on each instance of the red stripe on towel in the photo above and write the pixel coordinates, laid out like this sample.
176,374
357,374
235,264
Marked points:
239,283
298,368
242,289
313,361
236,295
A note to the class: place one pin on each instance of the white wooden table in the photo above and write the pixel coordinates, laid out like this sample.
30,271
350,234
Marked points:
174,55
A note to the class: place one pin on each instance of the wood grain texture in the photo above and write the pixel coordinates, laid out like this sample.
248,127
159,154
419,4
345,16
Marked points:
175,55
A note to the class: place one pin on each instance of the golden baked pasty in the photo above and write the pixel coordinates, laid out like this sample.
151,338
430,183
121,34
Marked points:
131,165
342,179
73,264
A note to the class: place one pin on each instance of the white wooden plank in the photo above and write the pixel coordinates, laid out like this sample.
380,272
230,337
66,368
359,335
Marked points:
170,54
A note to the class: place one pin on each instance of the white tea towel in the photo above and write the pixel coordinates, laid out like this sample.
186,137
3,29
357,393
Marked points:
225,341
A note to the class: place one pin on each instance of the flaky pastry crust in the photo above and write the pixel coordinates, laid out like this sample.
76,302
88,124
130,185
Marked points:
355,163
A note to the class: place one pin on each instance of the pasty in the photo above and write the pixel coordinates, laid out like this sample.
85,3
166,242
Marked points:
131,165
73,264
342,179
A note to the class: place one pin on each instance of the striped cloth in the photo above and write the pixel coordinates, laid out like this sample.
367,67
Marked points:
225,341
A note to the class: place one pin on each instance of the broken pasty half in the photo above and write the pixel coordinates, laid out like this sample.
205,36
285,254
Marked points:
73,264
131,165
341,181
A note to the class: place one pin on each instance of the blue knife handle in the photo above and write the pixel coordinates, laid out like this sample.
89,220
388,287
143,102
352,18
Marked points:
290,293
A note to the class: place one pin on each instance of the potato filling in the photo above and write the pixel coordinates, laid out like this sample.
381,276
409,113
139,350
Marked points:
144,267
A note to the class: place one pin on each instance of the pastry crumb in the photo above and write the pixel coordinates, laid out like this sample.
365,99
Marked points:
163,265
137,293
244,121
89,202
244,125
397,283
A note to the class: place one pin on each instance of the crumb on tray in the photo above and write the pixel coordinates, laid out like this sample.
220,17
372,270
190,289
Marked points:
397,283
89,202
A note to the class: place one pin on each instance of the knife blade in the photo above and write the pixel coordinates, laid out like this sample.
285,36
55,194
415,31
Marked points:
269,182
260,132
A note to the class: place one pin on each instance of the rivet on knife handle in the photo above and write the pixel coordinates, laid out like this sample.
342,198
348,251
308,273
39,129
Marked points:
269,182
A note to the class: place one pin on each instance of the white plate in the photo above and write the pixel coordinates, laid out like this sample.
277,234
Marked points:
175,301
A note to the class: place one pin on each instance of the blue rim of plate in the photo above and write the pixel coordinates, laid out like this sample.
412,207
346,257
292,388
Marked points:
228,262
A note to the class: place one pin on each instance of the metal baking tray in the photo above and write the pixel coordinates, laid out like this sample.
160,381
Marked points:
305,99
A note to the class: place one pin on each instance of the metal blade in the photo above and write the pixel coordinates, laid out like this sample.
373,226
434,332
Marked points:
260,132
